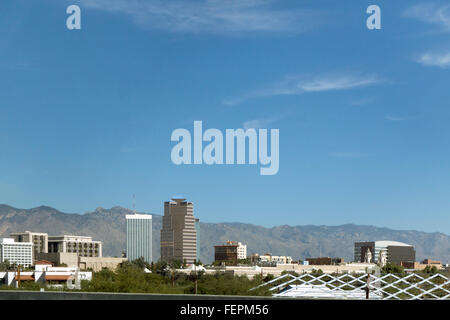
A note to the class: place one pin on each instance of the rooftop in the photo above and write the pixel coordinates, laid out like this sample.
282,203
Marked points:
386,243
11,241
138,216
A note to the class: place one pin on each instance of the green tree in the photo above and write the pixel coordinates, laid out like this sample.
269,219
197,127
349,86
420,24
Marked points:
177,264
198,263
295,274
317,273
30,285
430,270
269,277
393,268
5,266
244,261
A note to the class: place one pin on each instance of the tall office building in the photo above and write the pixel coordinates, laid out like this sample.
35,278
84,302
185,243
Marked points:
197,229
139,237
178,233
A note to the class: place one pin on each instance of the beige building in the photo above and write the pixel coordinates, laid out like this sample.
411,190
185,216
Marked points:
269,258
59,258
251,271
82,246
422,265
178,233
84,263
39,241
98,263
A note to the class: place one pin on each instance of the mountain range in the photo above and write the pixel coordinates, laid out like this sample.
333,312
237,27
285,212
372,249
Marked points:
300,242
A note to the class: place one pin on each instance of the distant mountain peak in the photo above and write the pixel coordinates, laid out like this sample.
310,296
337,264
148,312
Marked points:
44,207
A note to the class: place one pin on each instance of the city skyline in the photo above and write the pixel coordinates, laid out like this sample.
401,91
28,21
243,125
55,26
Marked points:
86,115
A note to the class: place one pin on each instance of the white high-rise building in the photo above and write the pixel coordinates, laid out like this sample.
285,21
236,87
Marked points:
269,258
139,237
242,251
19,253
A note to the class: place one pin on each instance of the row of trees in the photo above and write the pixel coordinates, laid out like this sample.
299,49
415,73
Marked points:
129,277
399,270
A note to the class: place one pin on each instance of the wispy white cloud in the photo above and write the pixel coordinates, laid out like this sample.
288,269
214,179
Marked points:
441,60
430,13
361,101
390,117
394,118
295,85
341,82
210,16
259,123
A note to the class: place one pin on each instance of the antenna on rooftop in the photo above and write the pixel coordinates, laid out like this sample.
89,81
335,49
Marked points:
134,203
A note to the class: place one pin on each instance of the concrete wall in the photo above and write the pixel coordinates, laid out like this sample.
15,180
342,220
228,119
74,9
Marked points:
36,295
58,258
250,272
98,264
276,271
72,259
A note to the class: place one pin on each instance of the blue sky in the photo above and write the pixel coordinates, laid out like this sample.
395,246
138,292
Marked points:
86,115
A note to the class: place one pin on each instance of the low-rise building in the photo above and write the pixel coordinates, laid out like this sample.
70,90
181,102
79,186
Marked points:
230,252
327,261
38,239
227,254
59,258
251,271
241,249
99,263
396,252
81,245
422,265
84,263
46,274
432,262
268,258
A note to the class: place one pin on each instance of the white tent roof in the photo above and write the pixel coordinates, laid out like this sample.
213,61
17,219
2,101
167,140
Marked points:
323,292
193,267
386,243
